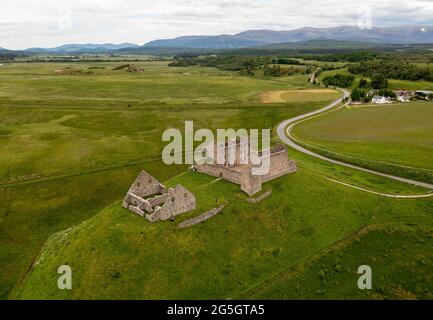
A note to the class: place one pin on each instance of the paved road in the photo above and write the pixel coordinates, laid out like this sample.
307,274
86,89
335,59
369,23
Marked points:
284,129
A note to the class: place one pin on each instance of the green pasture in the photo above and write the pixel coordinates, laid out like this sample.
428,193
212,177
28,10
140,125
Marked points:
118,255
400,136
399,256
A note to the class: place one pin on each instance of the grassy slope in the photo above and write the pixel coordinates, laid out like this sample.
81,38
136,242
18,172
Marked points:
400,257
126,257
399,134
118,255
30,213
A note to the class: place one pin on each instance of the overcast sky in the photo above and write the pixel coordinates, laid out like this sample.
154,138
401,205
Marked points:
48,23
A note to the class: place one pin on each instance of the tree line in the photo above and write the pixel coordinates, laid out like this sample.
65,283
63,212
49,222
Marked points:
401,70
339,80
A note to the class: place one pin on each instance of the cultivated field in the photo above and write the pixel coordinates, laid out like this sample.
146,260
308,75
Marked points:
313,95
400,135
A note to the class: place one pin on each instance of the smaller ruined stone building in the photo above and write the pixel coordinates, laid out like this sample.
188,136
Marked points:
149,198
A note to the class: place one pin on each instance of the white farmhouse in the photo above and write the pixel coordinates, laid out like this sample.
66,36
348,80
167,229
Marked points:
381,100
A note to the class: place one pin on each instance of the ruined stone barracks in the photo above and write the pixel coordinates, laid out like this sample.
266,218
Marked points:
149,198
241,174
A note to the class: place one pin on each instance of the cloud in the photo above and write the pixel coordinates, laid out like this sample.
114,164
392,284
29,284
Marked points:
45,23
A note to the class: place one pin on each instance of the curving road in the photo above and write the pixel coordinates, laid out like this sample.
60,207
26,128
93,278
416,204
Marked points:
284,133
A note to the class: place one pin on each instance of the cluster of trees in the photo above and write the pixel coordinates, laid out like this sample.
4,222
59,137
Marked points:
277,71
183,63
245,65
387,93
230,63
341,57
378,82
393,70
359,94
9,55
248,72
286,61
339,80
328,67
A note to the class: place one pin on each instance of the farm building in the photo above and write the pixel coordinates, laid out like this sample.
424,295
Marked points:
403,99
381,100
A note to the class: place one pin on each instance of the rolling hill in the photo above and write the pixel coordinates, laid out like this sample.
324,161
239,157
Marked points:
80,48
207,42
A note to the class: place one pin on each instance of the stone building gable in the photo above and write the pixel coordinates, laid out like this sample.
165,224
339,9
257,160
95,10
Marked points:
145,185
148,198
179,200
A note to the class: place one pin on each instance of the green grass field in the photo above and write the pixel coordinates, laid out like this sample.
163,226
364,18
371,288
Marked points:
397,136
399,255
119,255
71,146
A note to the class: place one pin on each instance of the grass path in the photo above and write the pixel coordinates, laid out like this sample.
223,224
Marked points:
387,195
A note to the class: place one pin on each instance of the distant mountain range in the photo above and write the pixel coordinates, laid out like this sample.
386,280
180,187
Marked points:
304,38
207,42
254,38
327,44
81,48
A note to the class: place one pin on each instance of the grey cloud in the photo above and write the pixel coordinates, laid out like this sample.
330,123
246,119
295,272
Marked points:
26,23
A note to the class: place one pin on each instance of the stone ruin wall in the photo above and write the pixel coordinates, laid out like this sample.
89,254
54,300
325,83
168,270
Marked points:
163,204
250,184
201,218
280,166
220,171
158,200
146,185
179,200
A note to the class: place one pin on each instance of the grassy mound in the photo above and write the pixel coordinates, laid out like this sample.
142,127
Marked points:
118,255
